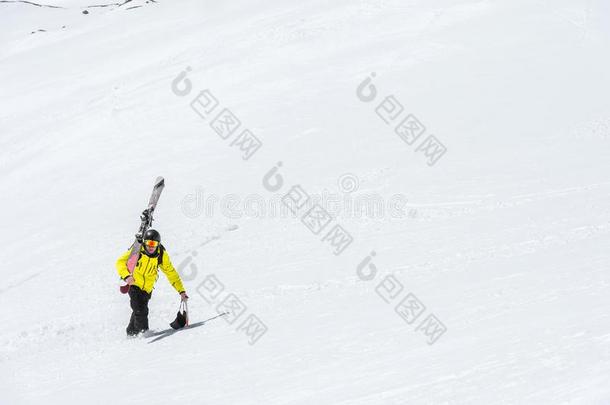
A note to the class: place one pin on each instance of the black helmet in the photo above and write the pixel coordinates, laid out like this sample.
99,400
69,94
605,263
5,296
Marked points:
152,234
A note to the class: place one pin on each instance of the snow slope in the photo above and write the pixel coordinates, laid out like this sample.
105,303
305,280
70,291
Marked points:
504,239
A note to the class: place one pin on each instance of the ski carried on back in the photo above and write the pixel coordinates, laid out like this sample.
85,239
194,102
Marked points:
146,218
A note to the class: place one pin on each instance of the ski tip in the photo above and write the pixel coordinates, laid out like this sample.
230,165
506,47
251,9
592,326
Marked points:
232,227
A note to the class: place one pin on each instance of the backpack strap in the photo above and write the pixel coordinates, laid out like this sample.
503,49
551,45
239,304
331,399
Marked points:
161,251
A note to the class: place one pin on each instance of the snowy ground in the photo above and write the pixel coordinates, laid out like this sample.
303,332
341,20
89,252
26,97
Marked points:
504,239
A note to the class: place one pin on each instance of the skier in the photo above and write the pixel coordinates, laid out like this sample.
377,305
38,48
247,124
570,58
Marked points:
142,281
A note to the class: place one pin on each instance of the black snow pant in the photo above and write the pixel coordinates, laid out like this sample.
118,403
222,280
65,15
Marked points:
139,305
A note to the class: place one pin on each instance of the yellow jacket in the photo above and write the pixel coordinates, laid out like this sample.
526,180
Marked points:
146,273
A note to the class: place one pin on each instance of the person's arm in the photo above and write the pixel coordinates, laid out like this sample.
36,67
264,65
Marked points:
172,275
121,265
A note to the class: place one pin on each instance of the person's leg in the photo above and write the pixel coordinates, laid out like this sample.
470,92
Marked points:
143,319
139,306
133,303
130,327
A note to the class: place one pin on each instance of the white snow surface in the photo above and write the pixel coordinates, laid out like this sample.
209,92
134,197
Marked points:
506,241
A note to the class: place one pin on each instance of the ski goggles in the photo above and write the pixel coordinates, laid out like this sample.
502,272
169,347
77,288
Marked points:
151,243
